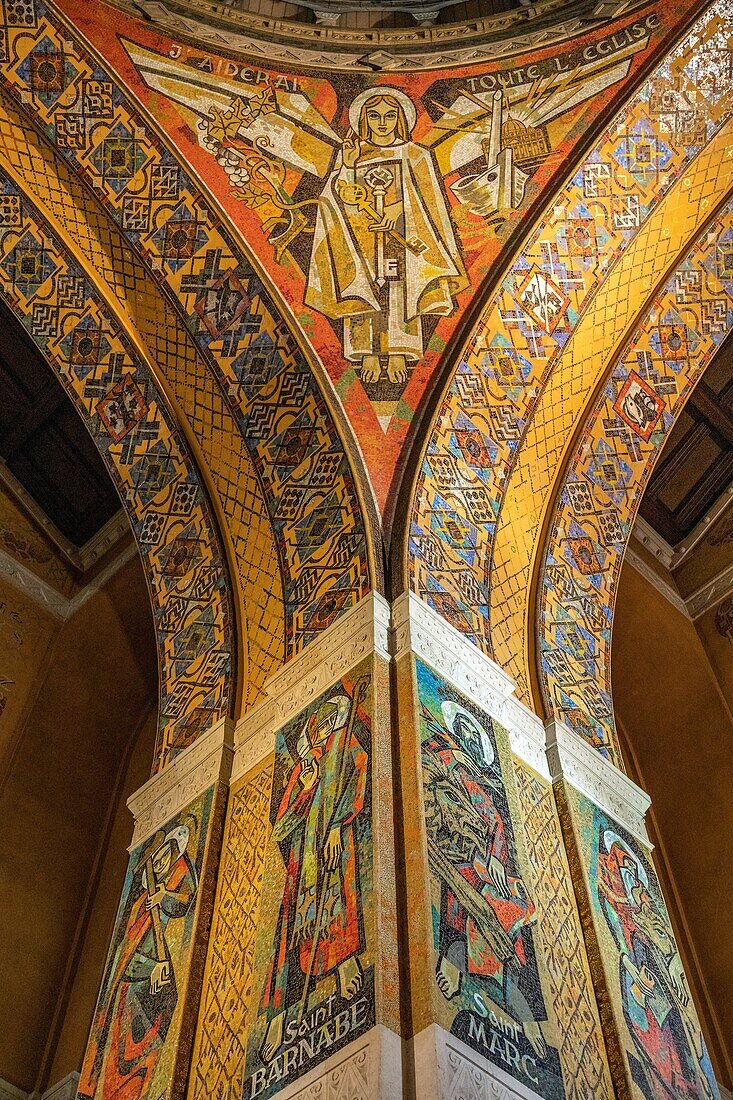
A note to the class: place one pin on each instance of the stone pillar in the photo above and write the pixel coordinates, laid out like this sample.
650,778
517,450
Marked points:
499,992
143,1024
652,1031
301,995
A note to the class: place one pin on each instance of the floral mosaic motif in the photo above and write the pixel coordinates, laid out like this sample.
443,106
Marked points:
484,917
138,1014
316,941
650,997
608,471
152,470
247,345
524,328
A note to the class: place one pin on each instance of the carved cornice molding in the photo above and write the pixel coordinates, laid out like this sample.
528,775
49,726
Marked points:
653,542
81,557
207,761
254,738
526,734
695,605
649,574
361,632
249,35
370,1068
63,1090
447,1069
573,760
418,629
710,593
46,596
9,1092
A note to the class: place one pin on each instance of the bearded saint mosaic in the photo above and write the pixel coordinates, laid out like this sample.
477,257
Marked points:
667,1055
487,967
136,1015
314,947
376,206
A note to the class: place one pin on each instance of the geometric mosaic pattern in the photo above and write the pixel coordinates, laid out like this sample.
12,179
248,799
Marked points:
582,1054
477,436
148,460
218,1057
222,306
610,314
609,469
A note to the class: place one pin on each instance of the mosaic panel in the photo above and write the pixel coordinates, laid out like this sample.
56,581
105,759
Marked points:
316,943
581,1047
219,1053
222,306
147,458
621,439
660,1033
376,204
520,337
149,318
584,362
489,968
138,1015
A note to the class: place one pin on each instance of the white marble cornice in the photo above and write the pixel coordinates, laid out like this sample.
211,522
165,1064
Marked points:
207,761
361,632
574,760
62,1090
418,629
254,737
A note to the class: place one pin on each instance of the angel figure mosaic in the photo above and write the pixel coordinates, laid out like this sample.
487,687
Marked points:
384,251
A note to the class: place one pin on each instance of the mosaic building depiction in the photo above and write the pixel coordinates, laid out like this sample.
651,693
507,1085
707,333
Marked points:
366,550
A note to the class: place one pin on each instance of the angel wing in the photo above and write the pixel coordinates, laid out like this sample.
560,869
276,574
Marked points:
471,127
285,122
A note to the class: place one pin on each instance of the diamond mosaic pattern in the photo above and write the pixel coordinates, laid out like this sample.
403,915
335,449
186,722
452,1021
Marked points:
605,480
213,319
150,463
572,268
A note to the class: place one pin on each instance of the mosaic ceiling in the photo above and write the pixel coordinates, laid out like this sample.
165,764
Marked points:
298,254
376,206
181,278
547,339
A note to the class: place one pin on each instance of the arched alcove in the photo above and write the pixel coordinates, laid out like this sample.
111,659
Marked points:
78,717
673,690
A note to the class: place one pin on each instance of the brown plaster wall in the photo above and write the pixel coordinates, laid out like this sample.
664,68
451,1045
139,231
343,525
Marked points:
26,633
94,939
680,749
99,686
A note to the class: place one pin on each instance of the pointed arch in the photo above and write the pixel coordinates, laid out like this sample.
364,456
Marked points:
148,458
236,369
549,337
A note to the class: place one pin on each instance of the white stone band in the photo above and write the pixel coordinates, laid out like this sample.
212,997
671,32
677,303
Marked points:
572,759
207,761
